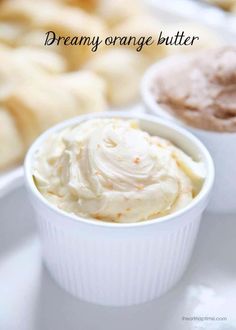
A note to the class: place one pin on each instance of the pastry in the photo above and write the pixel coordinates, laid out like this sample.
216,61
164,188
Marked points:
89,5
10,32
63,20
71,22
34,38
88,88
28,12
50,62
115,12
21,65
39,105
134,27
14,71
122,70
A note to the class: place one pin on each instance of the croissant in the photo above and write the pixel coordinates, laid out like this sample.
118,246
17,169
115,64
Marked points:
13,72
44,59
89,5
21,65
122,70
11,144
115,12
89,89
10,32
65,21
20,11
35,39
45,102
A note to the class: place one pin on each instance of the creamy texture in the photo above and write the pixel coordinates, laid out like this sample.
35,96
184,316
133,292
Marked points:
110,170
200,89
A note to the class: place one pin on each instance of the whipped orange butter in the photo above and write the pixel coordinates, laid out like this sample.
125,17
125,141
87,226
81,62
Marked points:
111,170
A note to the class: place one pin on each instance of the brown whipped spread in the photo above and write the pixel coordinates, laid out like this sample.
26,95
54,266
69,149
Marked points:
200,89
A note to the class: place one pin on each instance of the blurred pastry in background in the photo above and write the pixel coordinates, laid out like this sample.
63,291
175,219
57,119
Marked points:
48,61
89,5
10,32
233,9
22,13
23,64
66,21
11,144
35,39
134,27
122,70
63,20
37,106
224,4
115,12
14,71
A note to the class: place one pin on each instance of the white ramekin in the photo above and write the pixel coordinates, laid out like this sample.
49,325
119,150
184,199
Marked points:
222,147
120,264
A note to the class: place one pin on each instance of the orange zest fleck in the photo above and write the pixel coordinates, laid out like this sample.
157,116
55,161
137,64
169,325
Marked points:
136,160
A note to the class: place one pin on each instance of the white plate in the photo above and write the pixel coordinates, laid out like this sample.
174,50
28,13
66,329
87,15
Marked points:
30,300
10,180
